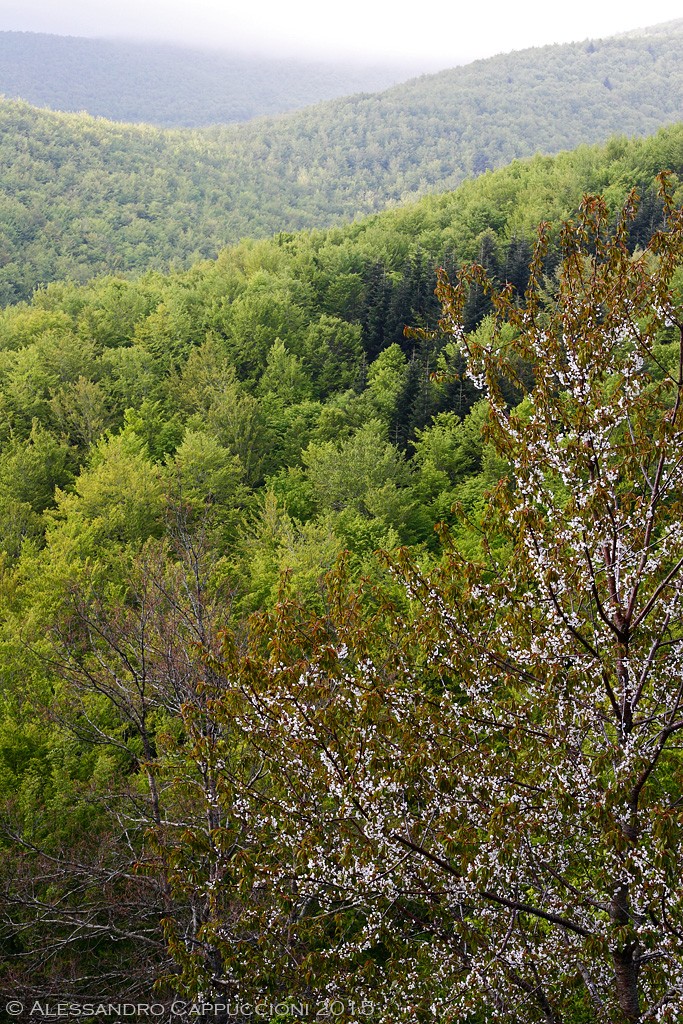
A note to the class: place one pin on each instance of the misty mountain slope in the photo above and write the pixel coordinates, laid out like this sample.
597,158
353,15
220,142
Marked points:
438,129
82,196
171,86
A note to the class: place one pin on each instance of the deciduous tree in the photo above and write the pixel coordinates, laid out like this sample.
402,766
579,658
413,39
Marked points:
467,799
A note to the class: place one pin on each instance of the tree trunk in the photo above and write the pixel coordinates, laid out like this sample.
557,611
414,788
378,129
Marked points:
625,957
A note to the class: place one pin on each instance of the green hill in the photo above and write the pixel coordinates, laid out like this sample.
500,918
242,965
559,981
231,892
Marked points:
82,196
171,86
170,446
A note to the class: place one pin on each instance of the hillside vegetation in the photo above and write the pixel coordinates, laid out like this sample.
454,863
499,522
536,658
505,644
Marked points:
171,86
82,196
182,450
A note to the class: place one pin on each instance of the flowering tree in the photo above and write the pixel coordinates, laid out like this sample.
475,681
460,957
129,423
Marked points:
466,798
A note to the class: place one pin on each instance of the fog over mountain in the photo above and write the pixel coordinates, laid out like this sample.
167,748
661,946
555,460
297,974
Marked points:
169,85
444,35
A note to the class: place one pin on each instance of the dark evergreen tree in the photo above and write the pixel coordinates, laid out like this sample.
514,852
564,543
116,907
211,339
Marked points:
478,304
458,393
376,295
413,302
648,219
422,397
516,266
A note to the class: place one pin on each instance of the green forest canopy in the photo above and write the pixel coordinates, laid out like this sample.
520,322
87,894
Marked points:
81,196
215,431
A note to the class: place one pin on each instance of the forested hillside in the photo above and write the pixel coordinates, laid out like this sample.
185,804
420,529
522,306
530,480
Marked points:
170,86
82,196
182,450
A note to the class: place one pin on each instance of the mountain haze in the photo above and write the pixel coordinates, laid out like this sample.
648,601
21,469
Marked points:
171,86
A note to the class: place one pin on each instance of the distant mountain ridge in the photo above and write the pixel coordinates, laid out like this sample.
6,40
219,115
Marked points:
81,196
664,28
171,86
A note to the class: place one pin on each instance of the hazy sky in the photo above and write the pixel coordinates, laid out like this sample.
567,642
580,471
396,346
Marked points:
441,32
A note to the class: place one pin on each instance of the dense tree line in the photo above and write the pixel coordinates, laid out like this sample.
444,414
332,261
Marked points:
83,196
180,451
